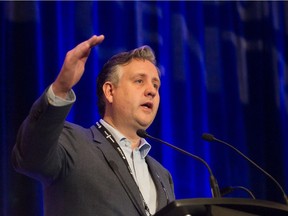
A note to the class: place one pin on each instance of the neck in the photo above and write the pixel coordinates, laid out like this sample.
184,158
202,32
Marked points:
128,132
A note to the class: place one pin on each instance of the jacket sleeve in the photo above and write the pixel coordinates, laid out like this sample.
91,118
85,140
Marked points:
37,152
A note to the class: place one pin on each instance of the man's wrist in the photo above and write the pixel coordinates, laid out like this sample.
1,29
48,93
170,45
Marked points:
60,101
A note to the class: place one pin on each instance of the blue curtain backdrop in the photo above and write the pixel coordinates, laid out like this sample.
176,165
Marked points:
224,71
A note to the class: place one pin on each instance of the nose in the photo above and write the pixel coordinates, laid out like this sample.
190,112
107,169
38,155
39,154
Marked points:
150,90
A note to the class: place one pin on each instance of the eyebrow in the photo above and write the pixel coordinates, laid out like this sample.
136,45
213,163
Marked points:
153,79
157,80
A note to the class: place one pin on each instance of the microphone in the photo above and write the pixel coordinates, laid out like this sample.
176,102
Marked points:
213,182
230,189
211,138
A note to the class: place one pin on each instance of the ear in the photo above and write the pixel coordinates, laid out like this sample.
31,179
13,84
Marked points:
108,91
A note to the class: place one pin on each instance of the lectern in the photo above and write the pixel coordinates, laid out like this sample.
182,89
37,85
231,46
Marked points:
223,207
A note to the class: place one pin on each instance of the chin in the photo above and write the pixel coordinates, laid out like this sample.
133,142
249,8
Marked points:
144,121
144,124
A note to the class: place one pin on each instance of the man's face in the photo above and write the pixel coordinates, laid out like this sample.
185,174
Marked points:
135,99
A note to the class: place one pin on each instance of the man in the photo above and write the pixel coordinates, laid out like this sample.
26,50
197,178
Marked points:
103,170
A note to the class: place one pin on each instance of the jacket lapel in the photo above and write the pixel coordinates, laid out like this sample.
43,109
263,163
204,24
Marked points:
162,196
119,168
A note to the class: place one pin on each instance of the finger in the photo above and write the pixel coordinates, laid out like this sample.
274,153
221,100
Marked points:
95,40
84,48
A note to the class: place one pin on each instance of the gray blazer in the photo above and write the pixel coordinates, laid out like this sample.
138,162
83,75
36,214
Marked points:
80,171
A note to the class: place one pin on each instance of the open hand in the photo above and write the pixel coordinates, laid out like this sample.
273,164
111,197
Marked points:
74,65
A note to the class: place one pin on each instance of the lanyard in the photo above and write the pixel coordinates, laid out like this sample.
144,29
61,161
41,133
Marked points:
116,146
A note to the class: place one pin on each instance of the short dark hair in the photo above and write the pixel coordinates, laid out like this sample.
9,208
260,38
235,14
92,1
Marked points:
109,70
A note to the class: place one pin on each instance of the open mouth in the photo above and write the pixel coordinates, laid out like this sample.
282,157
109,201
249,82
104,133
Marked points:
147,105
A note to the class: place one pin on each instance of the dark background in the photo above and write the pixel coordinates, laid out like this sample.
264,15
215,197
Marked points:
224,71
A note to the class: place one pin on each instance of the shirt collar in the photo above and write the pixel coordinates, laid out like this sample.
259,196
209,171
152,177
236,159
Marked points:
144,146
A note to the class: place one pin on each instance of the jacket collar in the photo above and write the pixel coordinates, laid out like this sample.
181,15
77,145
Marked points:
121,171
119,168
